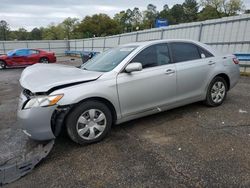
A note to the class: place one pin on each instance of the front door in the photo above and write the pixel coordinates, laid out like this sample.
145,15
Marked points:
19,58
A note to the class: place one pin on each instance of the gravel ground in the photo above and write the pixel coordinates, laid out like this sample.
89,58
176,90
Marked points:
191,146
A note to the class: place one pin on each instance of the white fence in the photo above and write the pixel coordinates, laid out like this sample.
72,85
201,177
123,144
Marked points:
58,46
229,34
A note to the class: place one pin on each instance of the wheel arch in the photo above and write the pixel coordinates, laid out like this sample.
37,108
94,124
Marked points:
106,102
60,114
4,61
225,77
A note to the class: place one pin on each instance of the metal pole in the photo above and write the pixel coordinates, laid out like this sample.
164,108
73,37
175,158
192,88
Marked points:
162,30
49,45
136,37
82,44
27,45
119,39
92,44
4,50
104,43
67,44
200,32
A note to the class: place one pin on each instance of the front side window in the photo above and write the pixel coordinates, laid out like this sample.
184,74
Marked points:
23,52
108,60
184,51
154,55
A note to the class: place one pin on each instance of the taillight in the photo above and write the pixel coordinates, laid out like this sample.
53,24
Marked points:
236,61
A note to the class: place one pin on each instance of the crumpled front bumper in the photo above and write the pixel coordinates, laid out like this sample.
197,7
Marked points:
35,122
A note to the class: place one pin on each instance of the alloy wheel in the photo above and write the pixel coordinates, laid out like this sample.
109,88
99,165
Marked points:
218,92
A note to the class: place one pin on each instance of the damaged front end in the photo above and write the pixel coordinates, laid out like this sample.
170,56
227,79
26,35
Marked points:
58,118
39,115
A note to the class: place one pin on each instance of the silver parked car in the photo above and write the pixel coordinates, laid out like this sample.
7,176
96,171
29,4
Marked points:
121,84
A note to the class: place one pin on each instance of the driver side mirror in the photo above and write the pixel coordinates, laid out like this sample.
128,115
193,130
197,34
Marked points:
132,67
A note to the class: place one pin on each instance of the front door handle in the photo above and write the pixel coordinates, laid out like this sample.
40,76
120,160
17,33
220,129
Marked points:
170,71
211,63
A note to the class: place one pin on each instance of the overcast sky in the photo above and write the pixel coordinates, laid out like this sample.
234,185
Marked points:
36,13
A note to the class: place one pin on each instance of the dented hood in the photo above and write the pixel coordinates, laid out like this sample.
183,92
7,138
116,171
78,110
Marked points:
43,77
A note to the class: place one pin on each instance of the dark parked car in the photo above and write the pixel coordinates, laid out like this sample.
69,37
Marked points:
24,57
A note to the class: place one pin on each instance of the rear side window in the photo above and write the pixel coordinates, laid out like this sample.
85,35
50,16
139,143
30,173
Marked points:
184,51
205,52
153,56
33,52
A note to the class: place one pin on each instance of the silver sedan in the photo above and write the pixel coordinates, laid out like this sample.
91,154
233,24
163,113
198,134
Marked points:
121,84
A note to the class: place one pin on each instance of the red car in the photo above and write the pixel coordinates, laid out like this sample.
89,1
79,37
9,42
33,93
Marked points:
24,57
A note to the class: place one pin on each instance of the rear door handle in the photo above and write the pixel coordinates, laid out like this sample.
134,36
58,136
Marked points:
170,71
211,63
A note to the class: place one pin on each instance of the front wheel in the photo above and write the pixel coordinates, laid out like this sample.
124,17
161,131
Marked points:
89,122
2,65
217,92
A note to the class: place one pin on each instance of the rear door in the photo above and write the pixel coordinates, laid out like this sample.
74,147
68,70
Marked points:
33,56
194,66
153,86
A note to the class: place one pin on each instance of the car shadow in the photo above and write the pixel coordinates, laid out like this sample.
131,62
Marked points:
63,140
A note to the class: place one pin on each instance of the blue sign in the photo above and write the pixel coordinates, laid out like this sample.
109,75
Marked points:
161,23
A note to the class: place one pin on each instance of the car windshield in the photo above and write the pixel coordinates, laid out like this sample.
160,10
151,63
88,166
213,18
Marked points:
108,60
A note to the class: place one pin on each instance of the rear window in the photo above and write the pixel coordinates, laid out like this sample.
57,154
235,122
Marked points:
184,51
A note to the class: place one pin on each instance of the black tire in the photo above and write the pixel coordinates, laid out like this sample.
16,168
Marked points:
44,60
210,99
2,65
77,112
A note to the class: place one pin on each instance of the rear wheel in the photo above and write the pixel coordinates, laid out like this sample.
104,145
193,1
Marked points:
89,122
44,60
217,92
2,64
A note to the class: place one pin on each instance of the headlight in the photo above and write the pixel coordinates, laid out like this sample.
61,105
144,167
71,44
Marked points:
43,101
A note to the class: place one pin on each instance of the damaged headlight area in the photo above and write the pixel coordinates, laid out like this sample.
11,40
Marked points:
42,101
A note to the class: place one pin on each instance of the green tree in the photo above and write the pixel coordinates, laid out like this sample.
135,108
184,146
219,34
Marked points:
4,30
69,26
150,16
224,7
178,13
53,32
121,19
136,17
233,7
208,12
166,14
22,34
35,34
190,8
98,25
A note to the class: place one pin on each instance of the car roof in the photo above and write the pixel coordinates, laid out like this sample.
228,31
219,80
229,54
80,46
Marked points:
144,43
150,42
